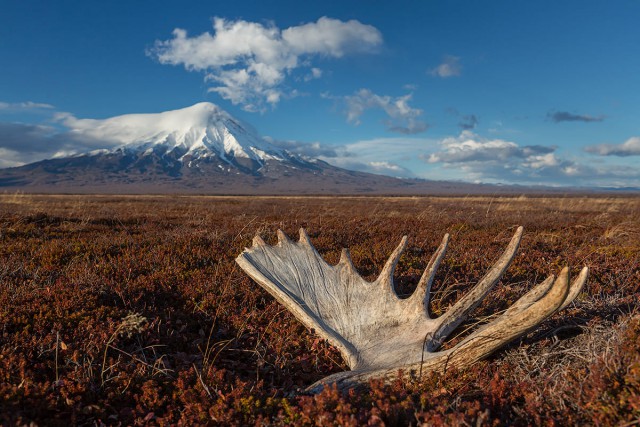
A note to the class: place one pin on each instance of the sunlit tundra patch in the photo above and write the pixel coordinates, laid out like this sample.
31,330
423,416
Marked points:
132,310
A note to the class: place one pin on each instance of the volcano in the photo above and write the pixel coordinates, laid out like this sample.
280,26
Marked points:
198,150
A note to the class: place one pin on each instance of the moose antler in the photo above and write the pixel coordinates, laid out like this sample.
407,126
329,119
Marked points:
379,334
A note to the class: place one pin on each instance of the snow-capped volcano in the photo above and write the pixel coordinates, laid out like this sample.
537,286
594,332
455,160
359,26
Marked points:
201,130
199,149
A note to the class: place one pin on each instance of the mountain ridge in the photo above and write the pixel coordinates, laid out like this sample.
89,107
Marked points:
202,149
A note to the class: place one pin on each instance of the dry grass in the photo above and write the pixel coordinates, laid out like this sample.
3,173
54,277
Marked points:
131,310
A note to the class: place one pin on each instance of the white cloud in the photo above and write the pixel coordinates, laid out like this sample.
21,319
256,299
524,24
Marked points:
387,156
388,168
315,73
10,158
383,156
248,62
402,117
494,160
24,106
105,133
468,157
631,147
25,143
544,161
377,167
450,67
331,37
468,147
310,149
497,160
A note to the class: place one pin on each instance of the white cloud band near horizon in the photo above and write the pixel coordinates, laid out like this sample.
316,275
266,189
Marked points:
500,160
472,158
248,62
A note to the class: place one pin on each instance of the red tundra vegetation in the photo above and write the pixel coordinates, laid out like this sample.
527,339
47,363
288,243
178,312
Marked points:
132,311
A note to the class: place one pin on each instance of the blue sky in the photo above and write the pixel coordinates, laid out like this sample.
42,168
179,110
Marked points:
541,92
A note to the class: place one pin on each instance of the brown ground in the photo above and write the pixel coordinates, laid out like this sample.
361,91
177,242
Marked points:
131,310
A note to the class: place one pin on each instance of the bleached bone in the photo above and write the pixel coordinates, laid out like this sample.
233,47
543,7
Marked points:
381,335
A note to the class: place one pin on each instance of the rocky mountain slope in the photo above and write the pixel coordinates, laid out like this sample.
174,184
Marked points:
198,149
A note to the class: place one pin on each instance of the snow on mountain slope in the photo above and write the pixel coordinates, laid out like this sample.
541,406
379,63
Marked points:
195,150
198,131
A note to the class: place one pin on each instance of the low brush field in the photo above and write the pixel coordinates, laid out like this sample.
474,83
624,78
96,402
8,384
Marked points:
132,311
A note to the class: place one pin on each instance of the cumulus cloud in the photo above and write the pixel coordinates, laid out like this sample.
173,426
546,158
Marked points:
248,62
498,160
631,147
565,116
450,67
470,147
402,118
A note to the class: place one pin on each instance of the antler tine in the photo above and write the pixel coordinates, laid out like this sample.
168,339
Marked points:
459,312
304,237
421,296
531,296
576,287
345,259
541,289
282,238
511,325
386,275
257,241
